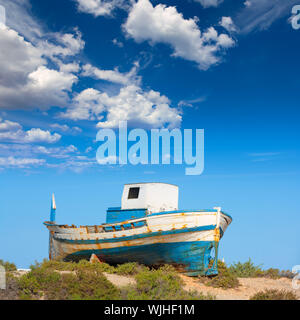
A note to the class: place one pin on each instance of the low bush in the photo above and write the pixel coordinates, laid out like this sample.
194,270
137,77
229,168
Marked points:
83,285
86,265
287,274
274,295
67,285
249,270
246,269
272,273
225,279
9,266
160,284
130,268
53,265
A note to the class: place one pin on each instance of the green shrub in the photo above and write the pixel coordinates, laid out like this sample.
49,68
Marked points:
81,284
9,266
130,268
287,274
246,270
72,266
160,284
249,270
29,285
274,295
84,285
225,279
272,273
54,265
157,284
100,267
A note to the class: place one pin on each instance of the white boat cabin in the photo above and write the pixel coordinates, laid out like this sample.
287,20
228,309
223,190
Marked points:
155,197
140,199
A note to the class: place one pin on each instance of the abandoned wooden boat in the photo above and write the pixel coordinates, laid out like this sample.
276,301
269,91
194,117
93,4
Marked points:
148,228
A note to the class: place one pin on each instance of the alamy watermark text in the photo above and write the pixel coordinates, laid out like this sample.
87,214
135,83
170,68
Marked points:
136,147
295,19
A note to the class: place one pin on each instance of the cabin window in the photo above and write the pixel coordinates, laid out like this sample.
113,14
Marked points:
118,228
133,193
139,224
127,226
109,229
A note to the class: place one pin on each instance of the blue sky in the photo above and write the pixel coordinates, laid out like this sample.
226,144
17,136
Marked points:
71,67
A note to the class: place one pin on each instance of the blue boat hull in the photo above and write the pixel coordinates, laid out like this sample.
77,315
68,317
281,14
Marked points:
191,258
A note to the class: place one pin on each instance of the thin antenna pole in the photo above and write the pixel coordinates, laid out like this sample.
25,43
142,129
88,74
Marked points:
52,219
53,209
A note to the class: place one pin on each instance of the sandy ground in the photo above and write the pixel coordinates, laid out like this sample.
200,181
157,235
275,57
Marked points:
20,273
248,287
119,281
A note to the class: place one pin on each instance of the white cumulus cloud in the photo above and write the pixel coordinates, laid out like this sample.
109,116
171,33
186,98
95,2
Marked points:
111,75
8,125
39,135
162,24
37,66
25,79
228,24
139,107
13,131
86,105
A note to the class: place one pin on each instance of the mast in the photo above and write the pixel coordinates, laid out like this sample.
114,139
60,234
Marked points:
52,219
53,209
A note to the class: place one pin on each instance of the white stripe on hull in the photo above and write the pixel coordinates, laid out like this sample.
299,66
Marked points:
155,224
